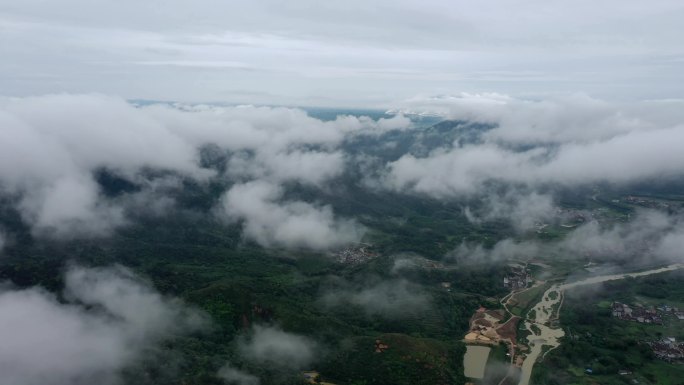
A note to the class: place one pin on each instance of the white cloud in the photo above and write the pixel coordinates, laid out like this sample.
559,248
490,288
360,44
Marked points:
110,319
568,142
271,221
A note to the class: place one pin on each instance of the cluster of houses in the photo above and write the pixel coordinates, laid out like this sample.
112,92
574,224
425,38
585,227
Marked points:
641,201
572,217
679,313
517,279
668,349
650,315
356,254
637,313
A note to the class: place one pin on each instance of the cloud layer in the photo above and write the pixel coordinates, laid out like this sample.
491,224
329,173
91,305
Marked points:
527,150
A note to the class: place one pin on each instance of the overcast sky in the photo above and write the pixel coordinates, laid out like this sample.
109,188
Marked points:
341,53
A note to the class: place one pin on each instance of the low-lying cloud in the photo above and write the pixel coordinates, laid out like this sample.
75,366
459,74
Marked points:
109,320
270,345
234,376
272,349
641,237
270,221
568,142
467,253
650,236
395,298
522,210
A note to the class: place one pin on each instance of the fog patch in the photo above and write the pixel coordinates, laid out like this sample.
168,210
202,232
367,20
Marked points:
639,237
461,171
522,210
403,263
70,207
504,250
309,167
235,376
496,371
650,237
267,345
397,298
110,320
671,246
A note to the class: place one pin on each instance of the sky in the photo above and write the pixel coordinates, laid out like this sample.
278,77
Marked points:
343,54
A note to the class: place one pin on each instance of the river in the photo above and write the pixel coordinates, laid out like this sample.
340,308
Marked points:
537,322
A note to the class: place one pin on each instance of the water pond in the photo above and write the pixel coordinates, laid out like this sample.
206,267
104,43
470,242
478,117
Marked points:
475,361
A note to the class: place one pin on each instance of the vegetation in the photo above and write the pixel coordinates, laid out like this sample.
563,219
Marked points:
209,265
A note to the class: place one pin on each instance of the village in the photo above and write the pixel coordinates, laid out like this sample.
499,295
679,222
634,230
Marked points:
354,255
668,349
636,314
644,202
650,315
518,278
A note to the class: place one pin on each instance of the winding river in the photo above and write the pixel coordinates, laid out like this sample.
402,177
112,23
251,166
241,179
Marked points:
544,337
